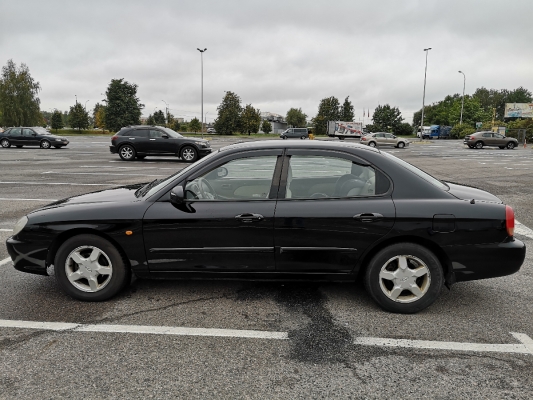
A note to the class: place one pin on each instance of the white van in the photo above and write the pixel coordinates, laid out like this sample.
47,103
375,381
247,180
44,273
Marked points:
295,133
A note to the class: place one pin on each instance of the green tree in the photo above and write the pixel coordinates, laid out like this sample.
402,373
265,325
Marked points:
346,112
403,129
387,118
99,116
150,120
123,106
250,119
195,125
328,110
296,118
19,104
78,117
176,125
266,126
159,117
57,120
229,114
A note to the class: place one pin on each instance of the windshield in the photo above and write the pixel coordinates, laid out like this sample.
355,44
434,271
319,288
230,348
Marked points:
172,133
155,186
417,171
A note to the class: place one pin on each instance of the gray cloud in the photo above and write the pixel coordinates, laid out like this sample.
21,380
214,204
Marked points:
275,55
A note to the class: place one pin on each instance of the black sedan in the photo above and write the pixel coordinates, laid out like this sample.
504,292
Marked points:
140,141
31,136
277,210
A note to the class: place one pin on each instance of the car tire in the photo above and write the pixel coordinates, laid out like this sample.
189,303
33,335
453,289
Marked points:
94,280
341,138
303,137
189,154
386,277
127,152
479,145
284,137
45,144
141,157
5,143
510,145
401,145
372,144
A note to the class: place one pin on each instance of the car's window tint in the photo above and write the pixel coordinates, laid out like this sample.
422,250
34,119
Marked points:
27,132
315,177
487,135
247,178
389,135
15,132
415,170
155,134
141,133
498,136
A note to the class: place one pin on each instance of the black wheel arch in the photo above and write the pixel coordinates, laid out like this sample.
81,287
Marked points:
189,144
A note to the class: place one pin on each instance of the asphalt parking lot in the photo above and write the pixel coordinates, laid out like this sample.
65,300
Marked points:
315,340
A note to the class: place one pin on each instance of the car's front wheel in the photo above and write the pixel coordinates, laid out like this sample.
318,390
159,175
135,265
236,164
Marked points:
45,144
404,278
283,137
5,143
479,145
372,144
189,154
127,152
401,145
510,145
303,137
89,268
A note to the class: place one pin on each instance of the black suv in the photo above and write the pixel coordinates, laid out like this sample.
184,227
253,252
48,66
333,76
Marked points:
141,141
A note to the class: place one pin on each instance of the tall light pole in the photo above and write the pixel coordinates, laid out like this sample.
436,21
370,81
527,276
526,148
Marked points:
86,105
424,95
202,69
463,98
167,108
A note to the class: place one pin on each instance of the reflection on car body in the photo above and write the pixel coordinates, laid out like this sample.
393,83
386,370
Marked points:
278,210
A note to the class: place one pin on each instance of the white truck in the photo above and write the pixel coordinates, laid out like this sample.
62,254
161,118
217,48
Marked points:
342,129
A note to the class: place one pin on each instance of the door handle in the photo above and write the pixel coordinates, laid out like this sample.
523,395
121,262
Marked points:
368,217
152,139
249,217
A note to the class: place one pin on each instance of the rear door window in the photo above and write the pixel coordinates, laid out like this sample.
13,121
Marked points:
141,133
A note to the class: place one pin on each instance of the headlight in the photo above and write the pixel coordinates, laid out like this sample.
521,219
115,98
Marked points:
19,226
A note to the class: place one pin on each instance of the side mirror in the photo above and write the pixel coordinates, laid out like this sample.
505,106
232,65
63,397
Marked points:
177,196
164,136
222,172
34,134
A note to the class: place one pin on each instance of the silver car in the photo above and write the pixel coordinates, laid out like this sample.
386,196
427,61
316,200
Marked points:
384,139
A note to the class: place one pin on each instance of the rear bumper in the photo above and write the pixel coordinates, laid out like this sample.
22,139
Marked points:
113,149
27,257
484,261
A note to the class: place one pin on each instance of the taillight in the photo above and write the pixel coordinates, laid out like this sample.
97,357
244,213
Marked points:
363,138
509,220
114,138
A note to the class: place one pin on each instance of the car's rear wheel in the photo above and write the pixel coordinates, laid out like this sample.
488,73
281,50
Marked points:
45,144
404,278
401,145
479,145
127,152
189,154
303,137
5,143
89,268
372,144
510,145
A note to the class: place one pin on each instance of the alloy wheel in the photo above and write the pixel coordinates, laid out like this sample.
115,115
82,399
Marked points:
126,152
5,143
404,279
88,269
45,144
188,154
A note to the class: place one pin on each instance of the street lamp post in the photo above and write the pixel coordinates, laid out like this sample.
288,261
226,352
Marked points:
463,98
202,73
424,95
166,110
86,105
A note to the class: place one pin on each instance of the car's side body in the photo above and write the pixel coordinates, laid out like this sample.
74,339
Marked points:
295,133
297,236
31,136
379,139
156,141
479,140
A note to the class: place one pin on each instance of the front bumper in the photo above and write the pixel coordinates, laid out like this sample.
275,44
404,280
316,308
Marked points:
27,257
203,151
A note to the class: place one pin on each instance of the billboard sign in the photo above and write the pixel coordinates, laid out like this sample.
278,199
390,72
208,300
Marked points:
518,110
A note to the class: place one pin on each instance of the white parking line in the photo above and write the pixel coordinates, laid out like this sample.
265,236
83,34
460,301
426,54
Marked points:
57,183
6,230
5,261
9,198
523,230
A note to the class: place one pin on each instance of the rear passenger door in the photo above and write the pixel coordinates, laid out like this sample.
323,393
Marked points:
15,136
140,140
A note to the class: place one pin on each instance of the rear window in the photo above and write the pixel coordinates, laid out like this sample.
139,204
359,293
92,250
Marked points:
139,133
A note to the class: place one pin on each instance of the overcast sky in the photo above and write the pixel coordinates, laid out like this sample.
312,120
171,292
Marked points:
274,54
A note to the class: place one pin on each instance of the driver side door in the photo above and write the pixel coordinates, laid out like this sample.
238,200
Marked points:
226,223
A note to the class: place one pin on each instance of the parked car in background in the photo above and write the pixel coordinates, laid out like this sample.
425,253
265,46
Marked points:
295,133
211,130
486,138
140,141
31,136
379,139
275,209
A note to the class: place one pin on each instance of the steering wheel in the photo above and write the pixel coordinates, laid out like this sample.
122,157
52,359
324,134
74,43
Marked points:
206,190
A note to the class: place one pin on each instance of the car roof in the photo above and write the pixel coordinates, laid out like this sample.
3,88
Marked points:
298,144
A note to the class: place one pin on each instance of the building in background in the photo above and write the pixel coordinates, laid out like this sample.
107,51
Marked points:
277,121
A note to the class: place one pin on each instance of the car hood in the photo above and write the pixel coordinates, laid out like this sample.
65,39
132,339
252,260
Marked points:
470,193
121,195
